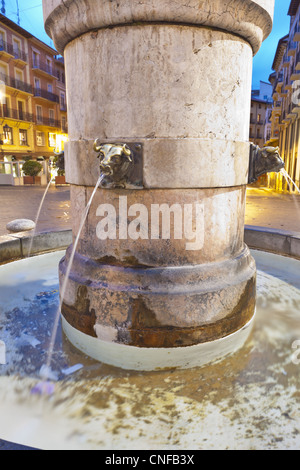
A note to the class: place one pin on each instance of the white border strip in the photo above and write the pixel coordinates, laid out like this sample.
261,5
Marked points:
149,359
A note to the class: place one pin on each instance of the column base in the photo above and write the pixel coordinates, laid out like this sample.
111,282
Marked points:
151,359
149,308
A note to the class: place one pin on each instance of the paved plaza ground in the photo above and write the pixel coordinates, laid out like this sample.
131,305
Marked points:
264,208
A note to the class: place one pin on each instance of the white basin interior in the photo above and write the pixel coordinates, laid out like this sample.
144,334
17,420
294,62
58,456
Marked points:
249,400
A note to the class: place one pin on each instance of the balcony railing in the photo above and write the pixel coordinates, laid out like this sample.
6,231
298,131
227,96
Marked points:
20,55
9,49
44,67
47,95
14,83
292,47
11,113
42,121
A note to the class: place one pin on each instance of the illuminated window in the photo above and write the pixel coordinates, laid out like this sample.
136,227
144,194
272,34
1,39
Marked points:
23,137
52,140
8,135
40,139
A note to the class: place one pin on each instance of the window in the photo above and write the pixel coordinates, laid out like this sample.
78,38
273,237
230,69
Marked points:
40,139
19,76
35,59
259,118
2,40
4,73
52,140
23,137
8,135
51,117
17,48
39,114
21,110
5,110
62,100
50,87
37,87
64,124
49,66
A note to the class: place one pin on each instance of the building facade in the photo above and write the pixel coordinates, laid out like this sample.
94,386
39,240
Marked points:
33,112
285,120
261,107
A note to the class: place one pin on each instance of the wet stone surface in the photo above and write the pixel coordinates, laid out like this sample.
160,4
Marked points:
249,400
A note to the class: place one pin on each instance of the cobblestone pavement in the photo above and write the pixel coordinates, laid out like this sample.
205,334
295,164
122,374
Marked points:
264,208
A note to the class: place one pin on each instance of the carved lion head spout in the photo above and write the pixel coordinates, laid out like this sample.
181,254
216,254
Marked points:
262,161
115,163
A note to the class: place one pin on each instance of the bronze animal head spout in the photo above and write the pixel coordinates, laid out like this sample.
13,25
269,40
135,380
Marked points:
115,163
262,161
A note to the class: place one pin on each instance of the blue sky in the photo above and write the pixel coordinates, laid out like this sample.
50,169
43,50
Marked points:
31,19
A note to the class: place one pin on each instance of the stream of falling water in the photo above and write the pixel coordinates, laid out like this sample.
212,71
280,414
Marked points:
45,387
38,216
291,182
289,179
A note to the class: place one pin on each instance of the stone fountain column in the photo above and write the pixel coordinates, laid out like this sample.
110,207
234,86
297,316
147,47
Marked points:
161,276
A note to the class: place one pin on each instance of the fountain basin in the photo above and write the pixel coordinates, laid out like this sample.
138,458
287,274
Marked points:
248,400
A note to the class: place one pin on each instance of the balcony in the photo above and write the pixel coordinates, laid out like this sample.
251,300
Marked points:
277,108
296,108
279,84
44,68
290,113
295,76
296,37
16,114
286,61
20,58
16,84
297,61
8,51
292,48
288,86
284,119
42,121
46,95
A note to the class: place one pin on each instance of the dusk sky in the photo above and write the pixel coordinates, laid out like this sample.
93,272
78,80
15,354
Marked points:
31,19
